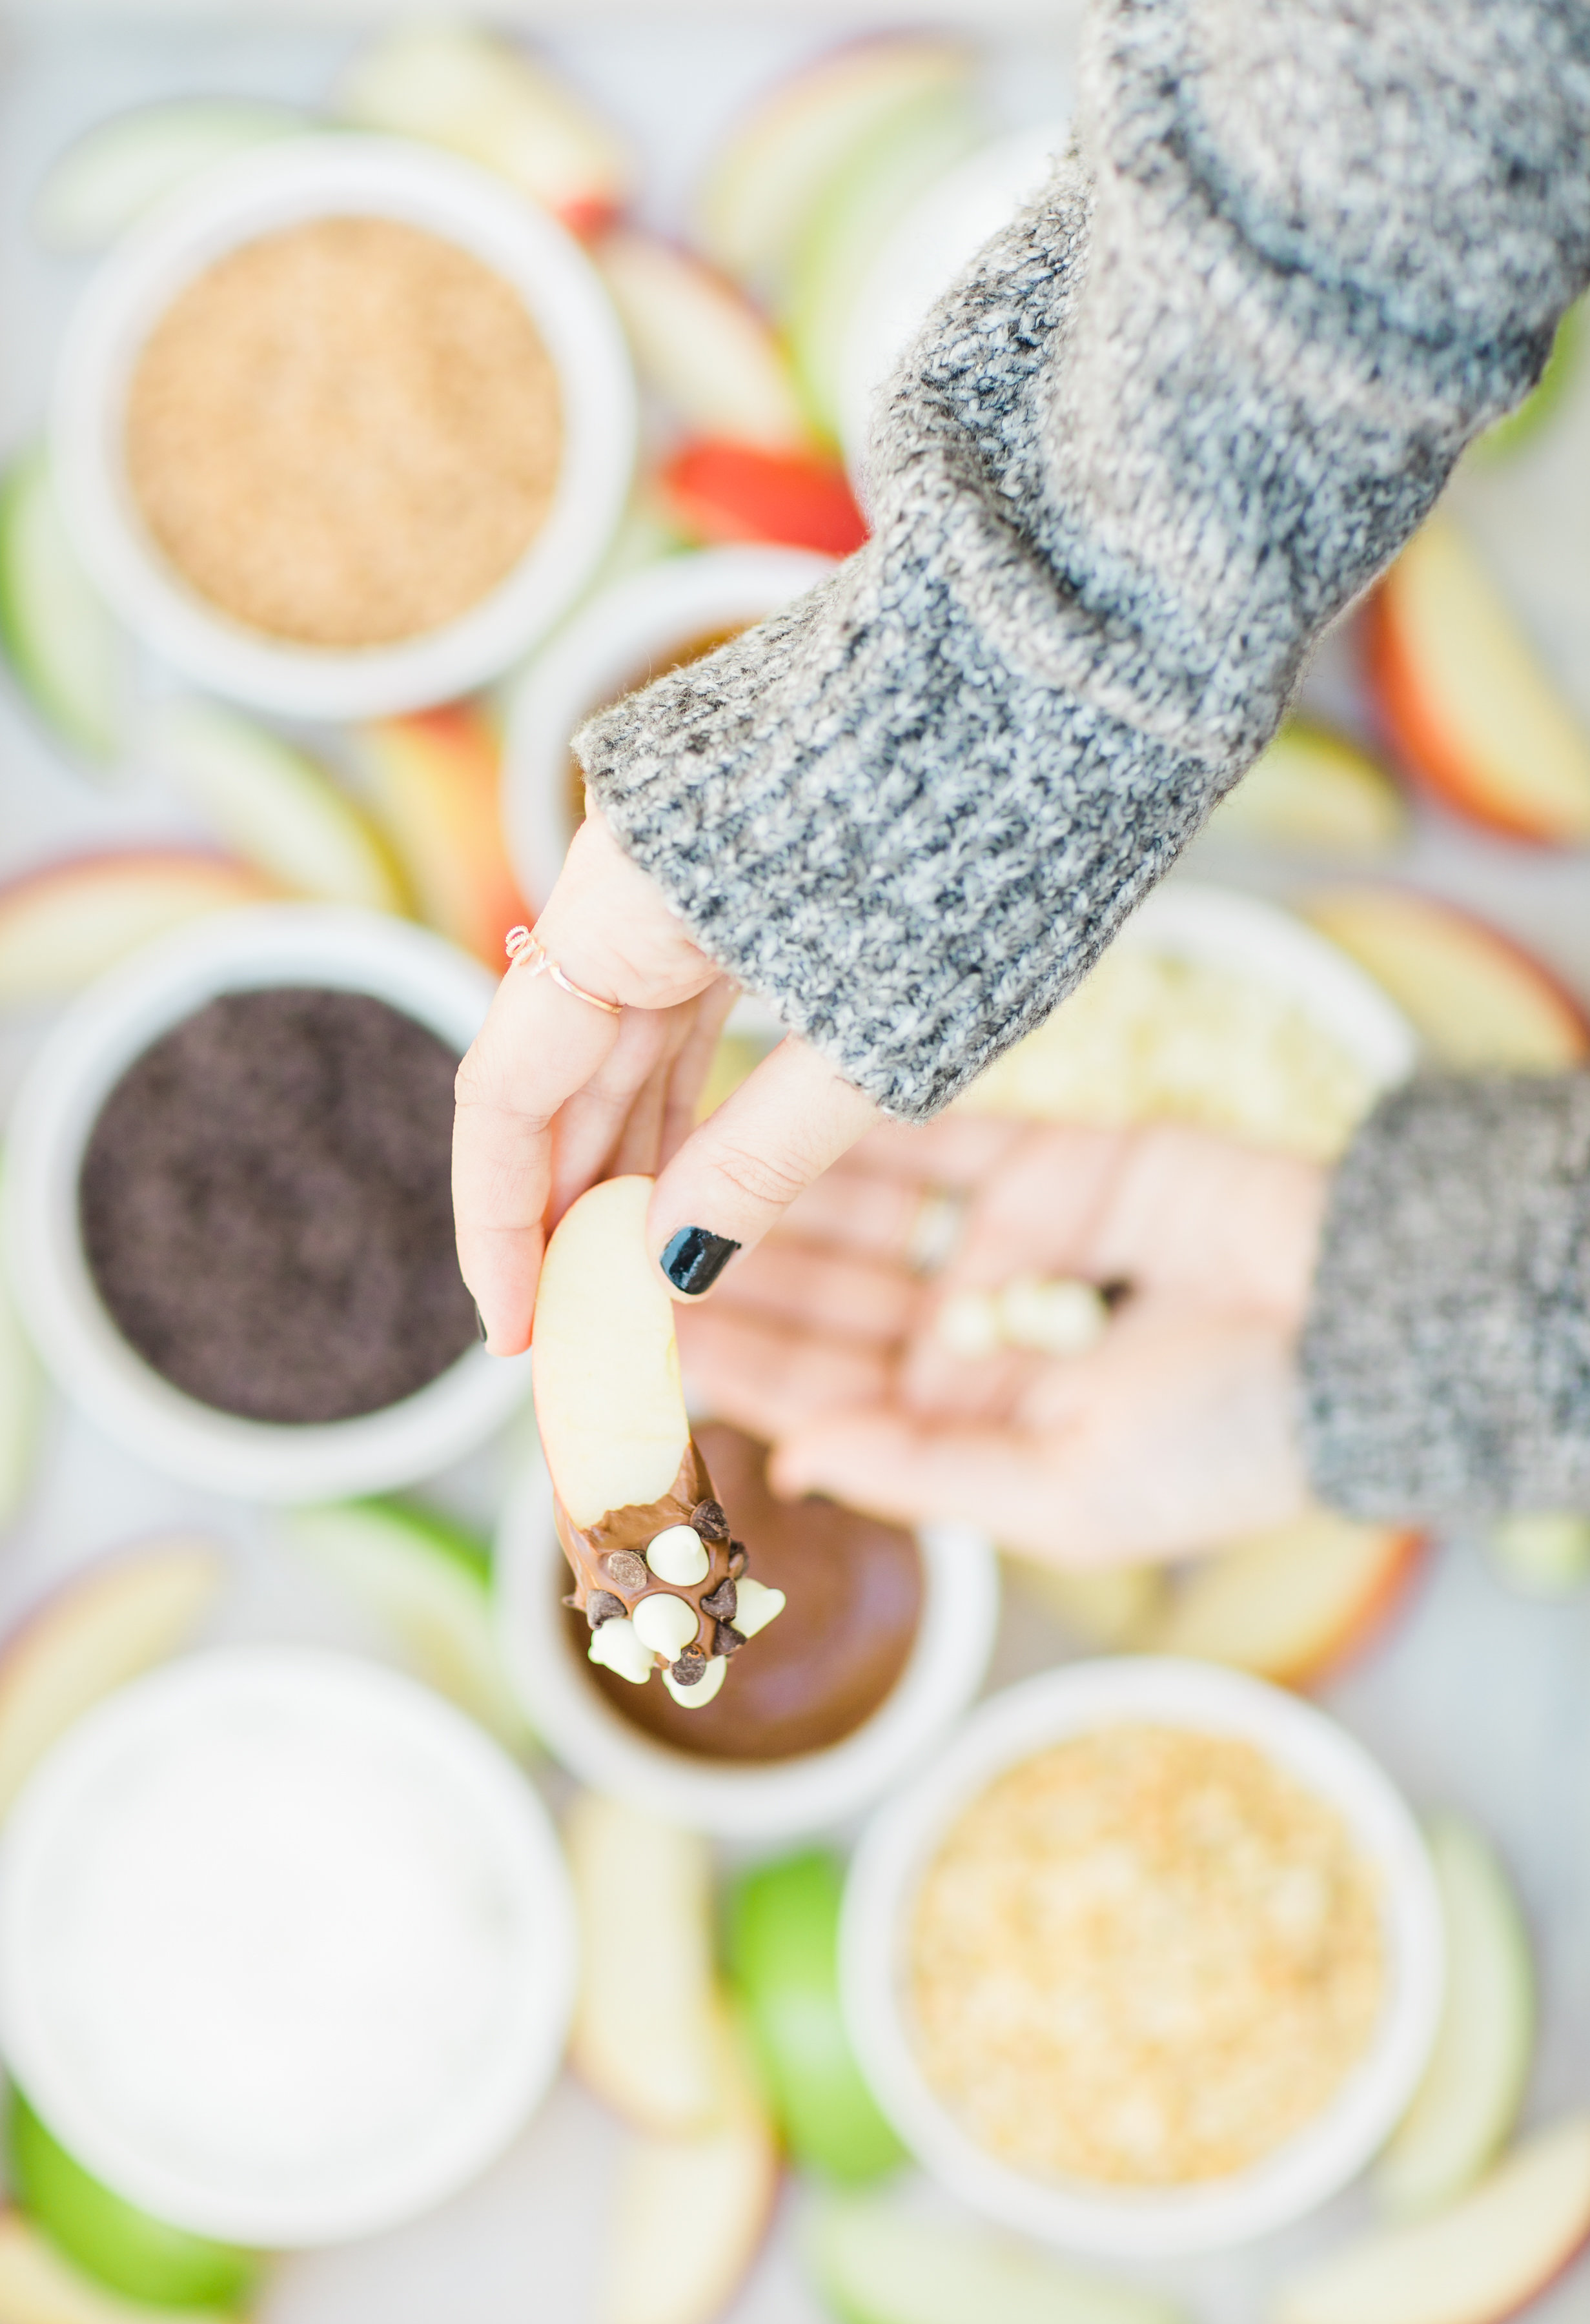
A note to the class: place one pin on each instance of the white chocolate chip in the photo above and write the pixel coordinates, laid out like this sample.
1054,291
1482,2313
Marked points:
967,1324
756,1606
1061,1317
697,1697
667,1625
619,1647
678,1556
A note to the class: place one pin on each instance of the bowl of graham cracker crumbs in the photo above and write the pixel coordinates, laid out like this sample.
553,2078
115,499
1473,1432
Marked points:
346,428
1149,1962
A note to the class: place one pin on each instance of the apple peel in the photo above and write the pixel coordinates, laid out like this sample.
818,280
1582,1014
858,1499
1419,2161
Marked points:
38,2286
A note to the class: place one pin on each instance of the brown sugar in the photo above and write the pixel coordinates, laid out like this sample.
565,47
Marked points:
345,434
1146,1957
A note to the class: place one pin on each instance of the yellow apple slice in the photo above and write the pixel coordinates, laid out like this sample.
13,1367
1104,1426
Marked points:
1113,1606
1477,2263
64,924
700,346
113,1621
1288,1605
688,2214
38,2286
646,2023
1314,791
1467,699
1476,999
1464,2109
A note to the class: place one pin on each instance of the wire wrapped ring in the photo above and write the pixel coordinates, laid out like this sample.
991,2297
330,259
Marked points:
523,944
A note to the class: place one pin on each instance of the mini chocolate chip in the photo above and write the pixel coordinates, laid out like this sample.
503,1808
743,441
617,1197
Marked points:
627,1568
709,1518
739,1558
691,1668
573,1602
724,1601
725,1641
601,1606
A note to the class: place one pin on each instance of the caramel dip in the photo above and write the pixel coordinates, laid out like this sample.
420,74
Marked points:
1145,1956
854,1590
344,434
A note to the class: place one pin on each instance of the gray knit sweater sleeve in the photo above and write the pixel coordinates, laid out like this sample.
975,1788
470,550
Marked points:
1446,1358
1171,422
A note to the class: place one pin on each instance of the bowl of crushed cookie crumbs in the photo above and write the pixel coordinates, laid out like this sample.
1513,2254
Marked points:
1149,1962
344,428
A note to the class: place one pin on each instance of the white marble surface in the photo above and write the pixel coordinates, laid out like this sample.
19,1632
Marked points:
1475,1697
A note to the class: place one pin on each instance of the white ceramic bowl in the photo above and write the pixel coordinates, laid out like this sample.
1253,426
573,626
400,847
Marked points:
768,1802
901,1841
207,1815
56,1109
608,646
265,191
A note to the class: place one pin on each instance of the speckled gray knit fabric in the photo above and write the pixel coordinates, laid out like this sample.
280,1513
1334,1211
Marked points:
1446,1358
1171,422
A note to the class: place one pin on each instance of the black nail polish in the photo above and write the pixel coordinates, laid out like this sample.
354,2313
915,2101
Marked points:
695,1258
479,1321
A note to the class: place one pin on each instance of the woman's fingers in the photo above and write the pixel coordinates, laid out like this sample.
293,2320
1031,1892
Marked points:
843,1298
769,1380
740,1171
906,1470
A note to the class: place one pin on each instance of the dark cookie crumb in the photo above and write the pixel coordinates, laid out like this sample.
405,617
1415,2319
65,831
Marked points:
627,1568
727,1641
601,1606
709,1520
691,1668
724,1601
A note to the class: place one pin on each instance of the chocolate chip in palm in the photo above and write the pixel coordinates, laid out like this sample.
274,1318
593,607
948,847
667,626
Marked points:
658,1576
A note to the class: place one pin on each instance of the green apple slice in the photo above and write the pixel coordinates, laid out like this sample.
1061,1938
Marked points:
112,2239
1543,1552
1314,791
1468,2101
429,1582
122,167
20,1405
38,2285
65,650
877,2261
1520,427
271,805
783,1928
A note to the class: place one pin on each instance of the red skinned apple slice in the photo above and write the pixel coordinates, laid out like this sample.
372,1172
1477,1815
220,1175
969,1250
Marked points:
1314,792
1467,2105
722,492
111,1622
64,924
1476,999
452,85
689,2214
1477,2263
700,346
1290,1604
1466,698
38,2286
646,2023
435,781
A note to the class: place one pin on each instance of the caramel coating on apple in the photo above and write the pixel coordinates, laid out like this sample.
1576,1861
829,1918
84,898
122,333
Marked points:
608,1559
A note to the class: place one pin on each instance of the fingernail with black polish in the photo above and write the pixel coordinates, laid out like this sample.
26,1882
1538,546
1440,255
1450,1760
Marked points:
694,1258
480,1323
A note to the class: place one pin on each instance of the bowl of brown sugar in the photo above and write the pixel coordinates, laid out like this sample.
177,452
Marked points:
1149,1962
346,428
226,1210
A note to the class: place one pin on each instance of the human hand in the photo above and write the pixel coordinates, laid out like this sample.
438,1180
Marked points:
1175,1431
555,1094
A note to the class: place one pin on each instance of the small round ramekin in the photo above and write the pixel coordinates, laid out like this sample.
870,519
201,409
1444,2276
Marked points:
329,1712
55,1109
265,191
903,1838
611,644
769,1802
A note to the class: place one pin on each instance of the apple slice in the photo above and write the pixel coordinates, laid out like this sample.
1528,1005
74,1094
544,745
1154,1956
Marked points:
115,1619
1476,999
700,346
38,2286
721,491
1290,1604
434,781
1544,1553
1314,792
272,804
1521,426
1480,2261
1111,1606
111,2239
429,1583
1464,2109
646,2023
65,924
879,2261
771,175
21,1407
688,2214
783,1953
453,85
1466,700
65,650
119,170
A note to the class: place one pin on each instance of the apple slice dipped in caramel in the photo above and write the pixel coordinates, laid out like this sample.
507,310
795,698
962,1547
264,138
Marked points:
657,1574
